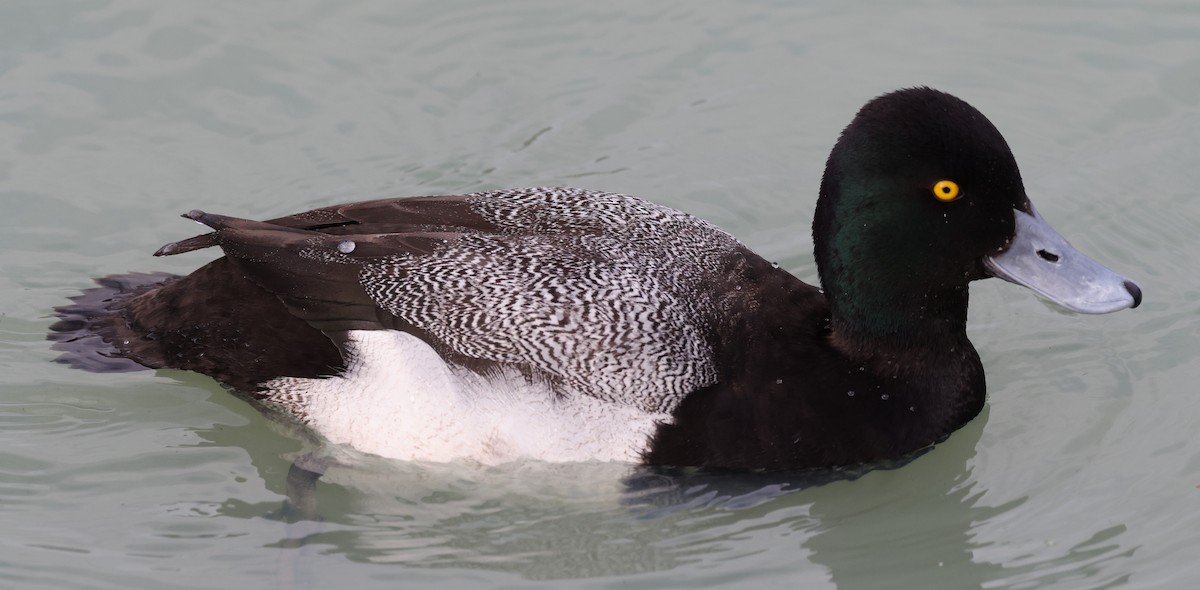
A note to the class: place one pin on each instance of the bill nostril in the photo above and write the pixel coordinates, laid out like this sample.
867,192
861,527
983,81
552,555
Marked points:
1135,291
1047,256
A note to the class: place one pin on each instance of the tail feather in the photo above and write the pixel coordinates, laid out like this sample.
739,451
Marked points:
87,331
214,321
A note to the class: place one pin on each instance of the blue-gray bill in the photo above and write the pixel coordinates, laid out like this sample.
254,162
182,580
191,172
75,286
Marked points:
1042,260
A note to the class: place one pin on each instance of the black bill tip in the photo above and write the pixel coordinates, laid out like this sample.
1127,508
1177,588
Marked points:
1135,292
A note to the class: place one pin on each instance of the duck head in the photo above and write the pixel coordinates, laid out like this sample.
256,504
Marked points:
921,195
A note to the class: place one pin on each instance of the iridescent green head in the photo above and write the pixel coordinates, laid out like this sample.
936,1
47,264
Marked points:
922,195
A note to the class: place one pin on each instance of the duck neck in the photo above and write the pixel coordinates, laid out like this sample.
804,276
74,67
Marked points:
919,343
884,288
868,319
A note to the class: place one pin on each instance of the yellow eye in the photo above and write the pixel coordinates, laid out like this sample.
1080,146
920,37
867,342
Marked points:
945,190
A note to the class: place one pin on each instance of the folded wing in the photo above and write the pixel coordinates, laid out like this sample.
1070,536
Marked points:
599,294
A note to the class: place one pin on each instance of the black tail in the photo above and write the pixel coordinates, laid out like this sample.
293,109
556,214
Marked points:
214,321
87,330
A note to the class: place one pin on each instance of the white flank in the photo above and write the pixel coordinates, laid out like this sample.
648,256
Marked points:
399,399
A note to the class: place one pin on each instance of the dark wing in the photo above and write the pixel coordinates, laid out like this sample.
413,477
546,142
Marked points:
602,294
382,216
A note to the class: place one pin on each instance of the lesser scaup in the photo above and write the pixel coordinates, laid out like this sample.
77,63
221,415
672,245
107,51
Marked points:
565,324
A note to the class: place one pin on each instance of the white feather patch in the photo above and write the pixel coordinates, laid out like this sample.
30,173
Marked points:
398,398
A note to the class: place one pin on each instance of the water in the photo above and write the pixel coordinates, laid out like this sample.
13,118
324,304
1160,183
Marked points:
1082,472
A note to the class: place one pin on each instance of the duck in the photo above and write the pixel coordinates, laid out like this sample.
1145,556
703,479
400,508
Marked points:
564,324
